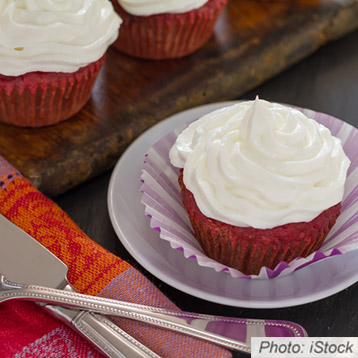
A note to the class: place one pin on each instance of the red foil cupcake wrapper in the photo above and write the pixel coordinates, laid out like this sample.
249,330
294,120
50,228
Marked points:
166,36
39,99
163,204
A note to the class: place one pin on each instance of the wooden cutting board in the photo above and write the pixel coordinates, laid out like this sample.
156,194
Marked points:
253,40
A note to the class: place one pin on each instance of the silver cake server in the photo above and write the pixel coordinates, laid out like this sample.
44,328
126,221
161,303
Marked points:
233,333
23,259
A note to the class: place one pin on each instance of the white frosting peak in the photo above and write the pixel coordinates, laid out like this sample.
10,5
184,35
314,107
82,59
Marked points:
54,35
261,164
154,7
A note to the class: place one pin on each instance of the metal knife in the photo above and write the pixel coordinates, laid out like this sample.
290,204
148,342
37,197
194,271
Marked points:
23,259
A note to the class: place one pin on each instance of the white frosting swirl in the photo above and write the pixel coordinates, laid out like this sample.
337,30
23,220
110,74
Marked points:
261,164
54,35
154,7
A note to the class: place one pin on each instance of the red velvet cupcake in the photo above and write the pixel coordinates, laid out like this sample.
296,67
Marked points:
50,58
38,99
167,35
248,249
261,183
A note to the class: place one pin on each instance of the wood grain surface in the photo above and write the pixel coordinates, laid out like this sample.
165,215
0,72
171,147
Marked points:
253,40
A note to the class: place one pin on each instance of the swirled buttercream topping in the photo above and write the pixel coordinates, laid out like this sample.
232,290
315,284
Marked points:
261,164
54,35
154,7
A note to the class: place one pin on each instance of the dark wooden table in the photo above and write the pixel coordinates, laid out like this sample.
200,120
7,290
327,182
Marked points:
327,81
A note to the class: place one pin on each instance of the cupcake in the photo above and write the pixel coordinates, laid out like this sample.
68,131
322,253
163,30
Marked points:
167,28
50,55
261,183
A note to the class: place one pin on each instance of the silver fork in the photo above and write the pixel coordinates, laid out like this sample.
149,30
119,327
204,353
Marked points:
224,331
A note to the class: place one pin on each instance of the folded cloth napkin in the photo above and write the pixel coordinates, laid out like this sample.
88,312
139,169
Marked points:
27,331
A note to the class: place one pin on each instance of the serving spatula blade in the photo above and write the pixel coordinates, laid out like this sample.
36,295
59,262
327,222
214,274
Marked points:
23,259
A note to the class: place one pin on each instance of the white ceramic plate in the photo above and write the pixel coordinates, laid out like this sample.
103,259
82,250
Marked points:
314,282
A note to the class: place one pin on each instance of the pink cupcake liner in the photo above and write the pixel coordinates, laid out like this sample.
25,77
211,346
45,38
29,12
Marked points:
163,204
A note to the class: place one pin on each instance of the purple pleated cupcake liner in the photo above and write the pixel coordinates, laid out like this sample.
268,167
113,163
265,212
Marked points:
163,204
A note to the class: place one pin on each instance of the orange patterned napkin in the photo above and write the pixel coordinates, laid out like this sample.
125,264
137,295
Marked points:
26,331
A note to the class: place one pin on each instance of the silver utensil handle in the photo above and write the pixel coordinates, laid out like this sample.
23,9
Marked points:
211,328
107,337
